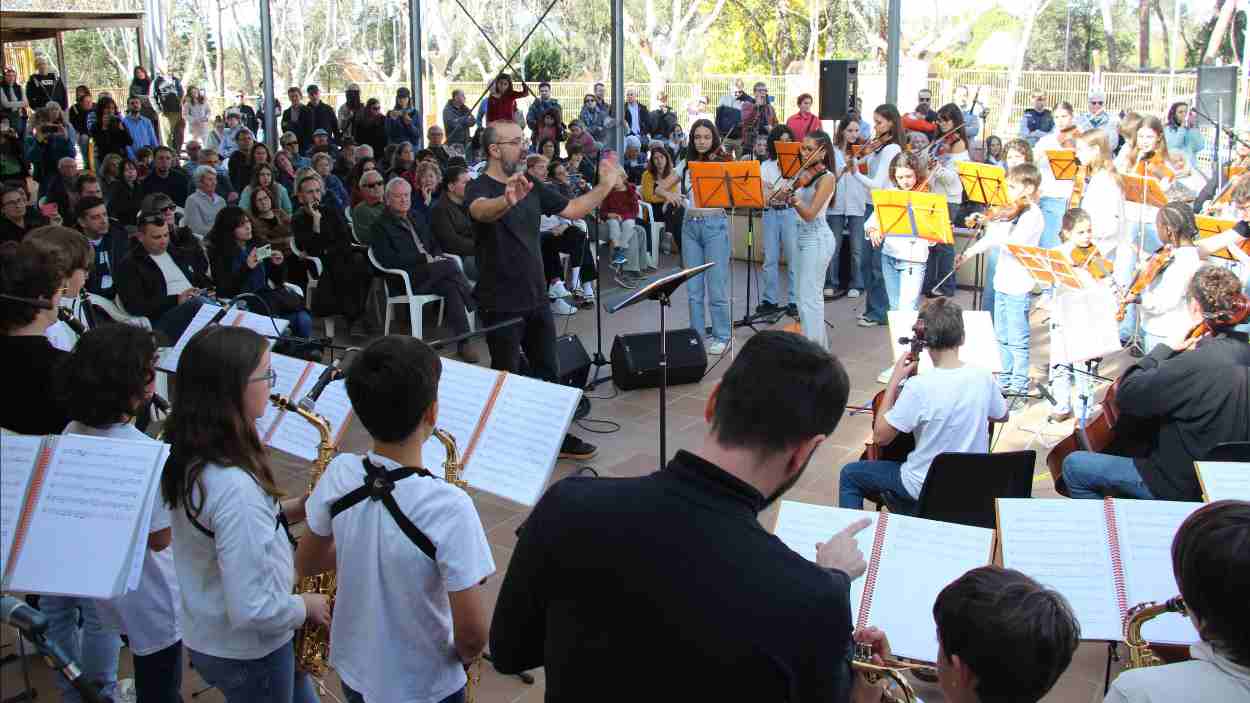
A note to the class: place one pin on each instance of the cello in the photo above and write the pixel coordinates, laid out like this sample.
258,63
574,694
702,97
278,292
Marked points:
904,442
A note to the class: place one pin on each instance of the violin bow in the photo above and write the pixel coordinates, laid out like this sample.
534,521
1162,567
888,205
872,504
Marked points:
802,165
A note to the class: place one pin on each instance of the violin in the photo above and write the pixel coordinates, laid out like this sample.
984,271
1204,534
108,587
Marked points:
1152,165
810,175
1093,262
1078,187
855,151
1145,276
998,213
1067,137
904,442
1214,323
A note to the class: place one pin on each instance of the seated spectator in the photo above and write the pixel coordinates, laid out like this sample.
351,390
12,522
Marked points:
272,225
262,179
558,236
634,161
323,232
321,145
125,195
323,164
237,269
16,217
228,140
58,190
225,187
629,243
290,146
158,284
192,148
109,241
550,128
579,137
400,242
30,270
239,164
363,166
204,204
403,164
370,207
449,220
284,171
110,170
428,179
549,150
108,132
143,160
142,131
165,179
84,184
345,161
581,168
435,141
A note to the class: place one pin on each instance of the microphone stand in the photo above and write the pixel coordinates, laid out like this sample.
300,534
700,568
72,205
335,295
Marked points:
1135,342
598,361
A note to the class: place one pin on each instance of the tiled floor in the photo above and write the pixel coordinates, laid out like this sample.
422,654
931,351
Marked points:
633,451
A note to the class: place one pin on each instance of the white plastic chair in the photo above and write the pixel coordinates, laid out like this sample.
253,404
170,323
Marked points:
114,309
414,302
654,230
318,269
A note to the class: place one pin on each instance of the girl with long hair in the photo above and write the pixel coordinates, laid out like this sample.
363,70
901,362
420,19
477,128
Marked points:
780,229
238,268
197,113
1180,135
888,137
1146,154
263,178
944,179
109,133
234,560
1055,192
816,244
847,213
1164,309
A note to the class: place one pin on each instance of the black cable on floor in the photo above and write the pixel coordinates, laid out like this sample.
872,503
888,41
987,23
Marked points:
612,425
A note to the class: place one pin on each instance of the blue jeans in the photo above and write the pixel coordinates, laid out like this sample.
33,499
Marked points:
269,679
705,239
95,647
174,322
875,478
987,292
903,281
1053,210
1011,324
1126,266
816,248
780,236
854,225
351,696
301,323
1092,475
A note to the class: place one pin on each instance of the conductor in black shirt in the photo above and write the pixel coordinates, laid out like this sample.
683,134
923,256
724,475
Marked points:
672,574
506,206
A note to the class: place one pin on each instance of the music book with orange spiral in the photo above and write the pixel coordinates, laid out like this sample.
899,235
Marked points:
910,560
70,501
287,432
1103,556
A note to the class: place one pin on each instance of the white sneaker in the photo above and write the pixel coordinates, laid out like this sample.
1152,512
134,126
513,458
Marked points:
588,290
716,347
557,290
852,293
884,376
125,692
559,307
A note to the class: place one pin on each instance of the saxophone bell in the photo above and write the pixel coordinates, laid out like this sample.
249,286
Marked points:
1139,650
898,688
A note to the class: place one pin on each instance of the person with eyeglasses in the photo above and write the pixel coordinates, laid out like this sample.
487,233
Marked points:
17,217
1099,118
290,145
233,554
368,210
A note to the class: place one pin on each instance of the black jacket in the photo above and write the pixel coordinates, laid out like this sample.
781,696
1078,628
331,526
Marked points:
300,125
674,574
394,248
42,88
323,117
112,140
124,202
452,227
28,405
644,119
115,244
175,185
141,285
9,231
1198,398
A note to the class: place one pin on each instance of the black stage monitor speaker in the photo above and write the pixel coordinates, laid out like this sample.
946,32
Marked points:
1217,93
572,361
636,359
839,86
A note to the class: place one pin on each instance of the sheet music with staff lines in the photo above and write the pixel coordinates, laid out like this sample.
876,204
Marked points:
1147,528
1224,480
463,393
18,454
802,525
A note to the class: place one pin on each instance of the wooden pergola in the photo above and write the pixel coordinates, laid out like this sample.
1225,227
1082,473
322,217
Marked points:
32,25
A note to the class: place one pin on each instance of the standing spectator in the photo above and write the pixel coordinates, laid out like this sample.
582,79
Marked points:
13,105
804,121
168,93
972,122
457,119
247,113
594,116
1037,121
141,88
1099,118
44,85
322,117
543,104
142,131
298,119
239,164
759,116
199,116
109,133
48,143
402,124
663,119
204,204
637,118
13,164
371,127
351,107
125,195
166,179
1182,137
503,99
80,118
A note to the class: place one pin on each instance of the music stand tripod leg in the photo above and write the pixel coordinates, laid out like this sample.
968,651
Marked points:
749,317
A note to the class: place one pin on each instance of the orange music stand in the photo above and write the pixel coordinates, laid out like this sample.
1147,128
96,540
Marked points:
1063,163
726,184
984,183
788,158
1046,266
1211,226
905,213
1143,190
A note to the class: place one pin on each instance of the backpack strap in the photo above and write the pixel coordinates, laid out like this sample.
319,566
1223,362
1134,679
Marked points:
379,484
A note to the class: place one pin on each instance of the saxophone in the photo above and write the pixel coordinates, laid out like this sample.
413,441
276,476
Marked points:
898,689
312,642
1139,651
452,474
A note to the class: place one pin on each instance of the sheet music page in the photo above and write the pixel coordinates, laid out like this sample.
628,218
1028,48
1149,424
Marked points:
297,436
18,454
169,360
1089,329
980,347
918,559
1224,480
1063,544
145,526
801,525
290,374
89,512
463,391
260,324
521,438
1146,529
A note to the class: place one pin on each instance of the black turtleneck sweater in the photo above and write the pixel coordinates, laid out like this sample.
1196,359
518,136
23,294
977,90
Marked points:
29,405
667,586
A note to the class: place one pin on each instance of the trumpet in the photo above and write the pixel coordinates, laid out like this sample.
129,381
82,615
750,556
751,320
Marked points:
899,689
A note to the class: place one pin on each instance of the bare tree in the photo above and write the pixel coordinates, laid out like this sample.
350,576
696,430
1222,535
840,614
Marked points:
1108,31
666,31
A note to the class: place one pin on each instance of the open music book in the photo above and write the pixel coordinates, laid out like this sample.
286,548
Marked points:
68,501
508,428
1223,480
1103,556
288,431
910,560
264,326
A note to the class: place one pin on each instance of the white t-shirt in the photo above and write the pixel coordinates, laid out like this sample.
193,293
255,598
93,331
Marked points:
1011,277
1164,303
175,280
1051,187
389,591
851,197
949,411
770,173
149,614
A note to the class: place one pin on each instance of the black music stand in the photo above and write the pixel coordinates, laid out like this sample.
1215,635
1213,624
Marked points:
662,291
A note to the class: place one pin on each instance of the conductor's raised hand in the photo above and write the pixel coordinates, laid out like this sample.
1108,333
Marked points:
518,187
609,172
842,553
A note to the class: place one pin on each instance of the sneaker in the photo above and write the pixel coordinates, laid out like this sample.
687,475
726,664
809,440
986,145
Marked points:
792,310
466,353
557,290
624,280
618,256
828,292
559,307
765,308
716,347
884,376
838,294
577,448
588,290
868,322
853,293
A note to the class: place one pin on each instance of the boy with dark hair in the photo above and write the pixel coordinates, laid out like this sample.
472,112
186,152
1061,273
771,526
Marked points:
408,547
948,408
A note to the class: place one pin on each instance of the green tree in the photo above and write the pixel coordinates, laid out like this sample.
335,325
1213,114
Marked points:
545,62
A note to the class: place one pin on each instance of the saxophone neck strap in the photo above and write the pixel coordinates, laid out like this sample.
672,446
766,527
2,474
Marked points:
379,485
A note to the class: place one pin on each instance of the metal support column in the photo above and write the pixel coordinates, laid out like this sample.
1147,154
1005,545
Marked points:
266,77
416,63
618,74
892,51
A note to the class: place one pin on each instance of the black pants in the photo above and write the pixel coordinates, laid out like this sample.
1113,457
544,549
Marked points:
444,278
941,263
572,242
158,676
536,335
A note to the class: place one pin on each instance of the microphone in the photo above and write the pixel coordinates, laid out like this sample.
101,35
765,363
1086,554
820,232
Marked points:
332,372
33,302
1043,390
220,314
25,618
